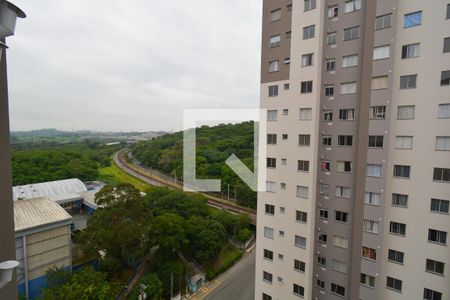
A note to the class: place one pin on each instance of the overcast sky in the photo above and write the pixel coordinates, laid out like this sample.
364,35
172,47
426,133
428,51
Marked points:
131,65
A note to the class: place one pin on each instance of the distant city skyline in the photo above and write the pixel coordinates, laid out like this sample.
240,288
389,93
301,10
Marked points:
112,66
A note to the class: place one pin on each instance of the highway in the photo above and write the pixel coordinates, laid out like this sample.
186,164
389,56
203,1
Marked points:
155,178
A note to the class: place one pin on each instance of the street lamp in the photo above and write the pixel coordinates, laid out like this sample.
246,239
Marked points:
8,16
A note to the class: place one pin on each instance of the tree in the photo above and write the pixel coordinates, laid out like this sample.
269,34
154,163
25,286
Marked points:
168,232
153,290
119,229
86,284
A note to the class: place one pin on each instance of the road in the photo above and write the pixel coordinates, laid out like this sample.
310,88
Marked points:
238,283
147,176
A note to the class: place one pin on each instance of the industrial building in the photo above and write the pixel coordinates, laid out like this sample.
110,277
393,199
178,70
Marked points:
357,94
43,241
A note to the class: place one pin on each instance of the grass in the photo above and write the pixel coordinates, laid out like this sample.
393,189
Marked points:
226,258
114,175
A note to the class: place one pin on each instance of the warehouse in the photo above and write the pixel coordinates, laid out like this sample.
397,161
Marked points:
42,232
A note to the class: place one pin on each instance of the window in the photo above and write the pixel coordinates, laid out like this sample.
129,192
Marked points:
393,283
437,236
381,52
443,143
440,206
382,22
270,209
372,198
307,59
286,86
299,265
321,260
370,226
333,11
289,7
287,60
274,41
400,200
396,256
380,82
308,32
283,185
267,277
340,241
268,232
275,15
274,66
323,213
306,87
331,38
369,253
326,140
345,140
310,4
324,189
272,115
367,280
444,111
412,19
376,141
330,64
301,216
445,77
435,266
271,162
284,136
280,256
272,139
303,166
337,289
447,16
270,186
305,114
300,241
341,216
298,290
351,33
322,237
373,170
427,293
352,6
348,88
329,90
441,174
268,254
304,139
285,111
406,112
266,297
346,114
403,142
397,228
320,284
377,112
288,35
410,51
302,191
328,115
338,266
344,166
325,165
273,90
408,81
350,61
446,45
284,161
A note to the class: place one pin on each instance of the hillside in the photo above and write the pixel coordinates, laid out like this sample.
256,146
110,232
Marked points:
214,145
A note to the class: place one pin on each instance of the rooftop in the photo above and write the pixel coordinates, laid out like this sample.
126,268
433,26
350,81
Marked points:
51,189
37,212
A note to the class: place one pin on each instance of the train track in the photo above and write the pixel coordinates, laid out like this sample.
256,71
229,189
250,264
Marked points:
145,175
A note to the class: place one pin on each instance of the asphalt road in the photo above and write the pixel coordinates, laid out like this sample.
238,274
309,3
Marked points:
238,283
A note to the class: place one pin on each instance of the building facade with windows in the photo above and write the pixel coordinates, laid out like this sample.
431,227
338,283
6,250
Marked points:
358,150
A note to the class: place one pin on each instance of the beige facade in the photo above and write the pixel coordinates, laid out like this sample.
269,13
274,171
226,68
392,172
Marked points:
366,200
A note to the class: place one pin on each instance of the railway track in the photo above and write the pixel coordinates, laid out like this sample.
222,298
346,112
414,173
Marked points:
145,175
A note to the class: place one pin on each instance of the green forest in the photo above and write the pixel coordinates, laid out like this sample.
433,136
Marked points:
214,145
47,161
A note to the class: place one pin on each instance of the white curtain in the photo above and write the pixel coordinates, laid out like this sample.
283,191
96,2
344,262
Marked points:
381,52
403,142
406,112
271,115
374,170
348,88
302,191
443,143
350,61
305,113
444,111
372,198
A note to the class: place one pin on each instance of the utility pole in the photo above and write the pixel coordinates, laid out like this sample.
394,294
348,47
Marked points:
171,286
228,192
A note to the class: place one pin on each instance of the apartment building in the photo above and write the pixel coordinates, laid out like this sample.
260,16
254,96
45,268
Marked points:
358,150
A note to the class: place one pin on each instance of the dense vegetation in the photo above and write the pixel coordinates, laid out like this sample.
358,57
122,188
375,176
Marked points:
214,146
40,162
